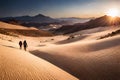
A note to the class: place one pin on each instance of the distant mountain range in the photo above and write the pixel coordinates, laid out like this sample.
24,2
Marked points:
41,21
62,25
93,23
30,19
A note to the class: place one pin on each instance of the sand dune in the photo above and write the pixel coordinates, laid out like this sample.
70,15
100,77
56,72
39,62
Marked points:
17,30
21,65
11,26
87,59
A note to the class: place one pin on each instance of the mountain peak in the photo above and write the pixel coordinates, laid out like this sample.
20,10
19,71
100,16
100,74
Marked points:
39,15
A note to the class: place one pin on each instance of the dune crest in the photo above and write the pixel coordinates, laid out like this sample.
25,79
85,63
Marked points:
21,65
87,59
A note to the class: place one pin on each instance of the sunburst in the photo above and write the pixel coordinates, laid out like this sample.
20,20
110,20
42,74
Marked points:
113,12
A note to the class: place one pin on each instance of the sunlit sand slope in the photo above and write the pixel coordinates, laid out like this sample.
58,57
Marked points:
87,60
20,65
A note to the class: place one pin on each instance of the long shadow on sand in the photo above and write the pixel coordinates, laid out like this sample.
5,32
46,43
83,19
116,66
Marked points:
84,68
54,59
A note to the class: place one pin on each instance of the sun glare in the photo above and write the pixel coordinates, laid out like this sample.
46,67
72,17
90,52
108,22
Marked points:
112,12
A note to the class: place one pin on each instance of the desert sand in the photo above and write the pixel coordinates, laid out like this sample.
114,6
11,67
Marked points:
21,65
10,26
85,57
16,64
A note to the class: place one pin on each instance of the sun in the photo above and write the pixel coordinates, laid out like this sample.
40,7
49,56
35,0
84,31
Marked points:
112,12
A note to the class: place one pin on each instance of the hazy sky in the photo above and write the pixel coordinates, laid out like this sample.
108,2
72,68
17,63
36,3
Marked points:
57,8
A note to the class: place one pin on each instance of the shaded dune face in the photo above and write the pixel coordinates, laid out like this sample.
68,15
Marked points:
94,60
21,65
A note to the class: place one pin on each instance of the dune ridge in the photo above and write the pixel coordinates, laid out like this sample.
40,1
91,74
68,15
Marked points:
87,60
84,57
21,65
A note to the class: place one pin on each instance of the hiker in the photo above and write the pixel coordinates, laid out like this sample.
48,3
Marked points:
25,45
20,44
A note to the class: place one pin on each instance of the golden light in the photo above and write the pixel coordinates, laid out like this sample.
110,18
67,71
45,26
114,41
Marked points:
112,12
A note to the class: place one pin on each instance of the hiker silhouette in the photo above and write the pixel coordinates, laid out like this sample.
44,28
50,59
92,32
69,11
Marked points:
20,44
25,45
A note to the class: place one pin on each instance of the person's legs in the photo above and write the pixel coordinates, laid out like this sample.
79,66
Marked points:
20,46
25,48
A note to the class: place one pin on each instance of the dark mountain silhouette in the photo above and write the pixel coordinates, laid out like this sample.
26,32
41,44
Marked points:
30,19
39,21
42,20
93,23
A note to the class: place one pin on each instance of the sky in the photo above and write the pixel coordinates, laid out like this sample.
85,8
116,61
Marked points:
57,8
